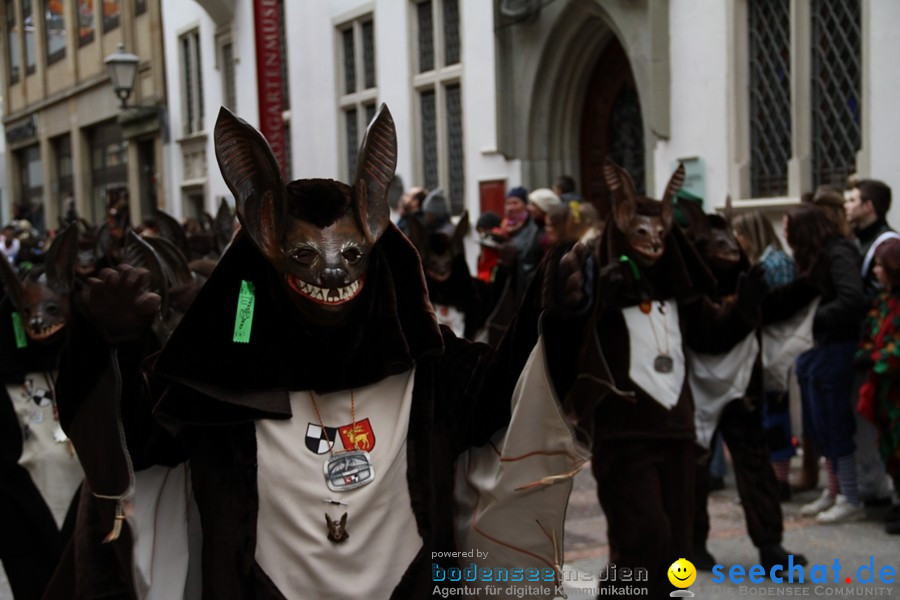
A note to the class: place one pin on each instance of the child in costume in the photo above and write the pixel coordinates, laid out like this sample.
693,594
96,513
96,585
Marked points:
879,352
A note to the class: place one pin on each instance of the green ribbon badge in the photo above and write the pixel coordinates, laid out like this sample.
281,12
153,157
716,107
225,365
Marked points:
243,318
19,330
634,268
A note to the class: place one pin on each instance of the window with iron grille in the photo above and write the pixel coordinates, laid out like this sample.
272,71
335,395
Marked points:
836,89
191,82
13,56
357,83
769,25
437,81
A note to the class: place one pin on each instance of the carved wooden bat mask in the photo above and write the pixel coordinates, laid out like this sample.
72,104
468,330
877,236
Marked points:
318,232
643,221
43,297
439,250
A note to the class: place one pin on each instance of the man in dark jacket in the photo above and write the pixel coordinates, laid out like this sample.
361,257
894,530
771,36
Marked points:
866,210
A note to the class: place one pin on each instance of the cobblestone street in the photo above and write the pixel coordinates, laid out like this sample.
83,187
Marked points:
851,543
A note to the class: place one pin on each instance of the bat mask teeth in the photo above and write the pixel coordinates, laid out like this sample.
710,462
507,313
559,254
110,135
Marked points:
440,276
42,331
326,296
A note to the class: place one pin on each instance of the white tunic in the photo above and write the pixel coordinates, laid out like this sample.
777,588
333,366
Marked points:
292,545
47,454
649,336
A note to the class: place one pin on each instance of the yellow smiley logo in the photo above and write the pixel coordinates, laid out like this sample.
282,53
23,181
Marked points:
682,573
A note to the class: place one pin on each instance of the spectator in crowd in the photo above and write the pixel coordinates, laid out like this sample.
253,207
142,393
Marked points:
487,226
564,186
866,211
410,207
9,243
756,236
540,201
831,200
523,246
825,372
879,355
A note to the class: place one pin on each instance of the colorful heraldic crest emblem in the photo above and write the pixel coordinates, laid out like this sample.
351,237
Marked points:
318,439
358,436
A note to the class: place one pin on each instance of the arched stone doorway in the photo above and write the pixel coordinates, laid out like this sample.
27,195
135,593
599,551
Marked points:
546,67
611,125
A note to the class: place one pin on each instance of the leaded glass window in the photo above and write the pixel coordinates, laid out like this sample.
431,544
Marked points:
438,81
358,82
455,158
368,38
349,62
352,129
451,32
426,36
429,139
835,90
770,96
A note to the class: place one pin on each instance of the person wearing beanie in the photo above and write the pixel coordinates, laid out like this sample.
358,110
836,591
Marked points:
540,201
524,245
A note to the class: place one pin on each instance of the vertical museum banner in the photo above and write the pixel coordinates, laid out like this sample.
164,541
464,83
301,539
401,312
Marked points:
269,76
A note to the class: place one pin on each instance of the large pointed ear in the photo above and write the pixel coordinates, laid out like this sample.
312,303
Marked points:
174,263
668,199
171,229
253,176
61,258
461,231
374,172
418,234
728,213
223,226
11,283
623,194
140,254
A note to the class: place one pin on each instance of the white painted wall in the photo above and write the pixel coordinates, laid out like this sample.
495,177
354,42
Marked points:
314,51
699,98
179,17
884,119
699,51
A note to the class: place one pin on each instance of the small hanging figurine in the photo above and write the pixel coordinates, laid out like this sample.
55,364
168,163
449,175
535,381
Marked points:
337,530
